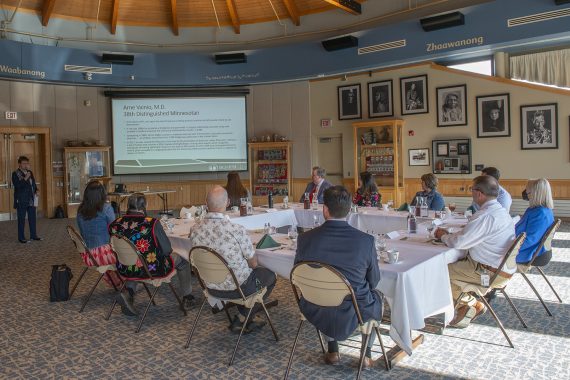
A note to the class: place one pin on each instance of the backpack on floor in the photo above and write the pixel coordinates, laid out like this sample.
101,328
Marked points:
59,283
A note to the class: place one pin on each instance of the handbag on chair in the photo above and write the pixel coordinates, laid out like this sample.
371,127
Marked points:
59,283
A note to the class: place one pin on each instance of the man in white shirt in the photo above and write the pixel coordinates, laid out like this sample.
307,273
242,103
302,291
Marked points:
232,242
487,237
504,198
317,186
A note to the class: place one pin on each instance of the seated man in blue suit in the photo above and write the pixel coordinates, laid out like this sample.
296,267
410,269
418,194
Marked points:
317,186
351,252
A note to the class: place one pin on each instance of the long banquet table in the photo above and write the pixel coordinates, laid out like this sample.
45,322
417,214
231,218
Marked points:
416,287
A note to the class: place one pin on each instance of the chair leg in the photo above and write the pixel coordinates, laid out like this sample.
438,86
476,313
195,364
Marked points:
146,309
549,284
115,302
90,293
384,354
293,350
321,340
362,353
514,308
148,292
270,322
537,294
498,321
112,282
178,299
227,312
194,324
239,337
77,282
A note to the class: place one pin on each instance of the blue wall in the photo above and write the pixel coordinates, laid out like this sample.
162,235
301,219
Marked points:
485,26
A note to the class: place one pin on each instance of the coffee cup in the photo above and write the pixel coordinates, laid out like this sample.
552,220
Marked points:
393,256
385,206
468,213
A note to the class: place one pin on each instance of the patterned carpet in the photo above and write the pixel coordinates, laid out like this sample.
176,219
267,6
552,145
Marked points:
43,340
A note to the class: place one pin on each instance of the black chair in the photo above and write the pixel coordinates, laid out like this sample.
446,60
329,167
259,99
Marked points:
545,242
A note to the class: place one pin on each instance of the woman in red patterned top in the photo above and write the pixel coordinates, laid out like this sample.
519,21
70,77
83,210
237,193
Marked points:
367,194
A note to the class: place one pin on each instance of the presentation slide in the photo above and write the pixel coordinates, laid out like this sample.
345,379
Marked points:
179,135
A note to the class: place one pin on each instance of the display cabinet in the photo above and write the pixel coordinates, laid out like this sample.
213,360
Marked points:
378,150
81,166
451,156
270,170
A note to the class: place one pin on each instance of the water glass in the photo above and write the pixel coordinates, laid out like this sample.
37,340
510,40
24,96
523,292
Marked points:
390,204
292,233
380,243
413,210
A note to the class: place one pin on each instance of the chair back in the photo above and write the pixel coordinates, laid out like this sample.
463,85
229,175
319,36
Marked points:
77,240
322,285
546,240
126,251
509,260
211,267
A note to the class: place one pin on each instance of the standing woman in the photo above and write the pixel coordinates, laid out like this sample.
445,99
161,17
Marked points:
367,194
535,221
93,217
235,190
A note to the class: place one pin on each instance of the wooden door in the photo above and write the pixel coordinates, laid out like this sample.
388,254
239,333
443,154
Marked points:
5,173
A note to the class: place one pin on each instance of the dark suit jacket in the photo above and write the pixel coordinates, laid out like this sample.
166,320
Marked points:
23,190
351,252
310,186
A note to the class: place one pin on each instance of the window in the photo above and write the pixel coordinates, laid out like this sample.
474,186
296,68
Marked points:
484,67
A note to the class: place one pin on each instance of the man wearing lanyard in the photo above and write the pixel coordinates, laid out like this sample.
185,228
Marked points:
25,195
317,186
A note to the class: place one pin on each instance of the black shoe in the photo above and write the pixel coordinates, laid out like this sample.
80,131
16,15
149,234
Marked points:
37,238
24,241
236,326
255,323
188,301
127,305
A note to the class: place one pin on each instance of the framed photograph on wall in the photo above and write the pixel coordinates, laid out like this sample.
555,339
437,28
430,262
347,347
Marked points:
462,148
419,157
380,99
451,106
349,105
414,94
493,116
443,149
539,128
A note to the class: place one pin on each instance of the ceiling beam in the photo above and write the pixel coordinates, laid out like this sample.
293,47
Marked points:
114,16
174,17
47,9
233,15
349,6
293,12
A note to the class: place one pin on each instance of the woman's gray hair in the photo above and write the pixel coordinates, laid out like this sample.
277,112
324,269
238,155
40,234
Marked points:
539,193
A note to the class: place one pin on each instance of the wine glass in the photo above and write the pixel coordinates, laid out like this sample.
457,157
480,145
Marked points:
430,228
413,210
380,242
292,233
452,207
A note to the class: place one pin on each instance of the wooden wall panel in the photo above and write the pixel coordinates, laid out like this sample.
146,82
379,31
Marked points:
87,113
22,101
66,115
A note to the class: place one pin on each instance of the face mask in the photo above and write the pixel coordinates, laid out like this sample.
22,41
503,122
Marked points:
525,195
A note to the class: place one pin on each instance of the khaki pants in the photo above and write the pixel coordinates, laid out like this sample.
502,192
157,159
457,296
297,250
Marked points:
466,270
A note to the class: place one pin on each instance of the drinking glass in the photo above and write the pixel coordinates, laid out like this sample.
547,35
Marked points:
315,221
452,206
390,204
380,242
292,233
430,228
413,210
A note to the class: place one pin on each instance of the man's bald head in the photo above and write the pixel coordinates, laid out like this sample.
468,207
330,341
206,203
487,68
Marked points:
217,199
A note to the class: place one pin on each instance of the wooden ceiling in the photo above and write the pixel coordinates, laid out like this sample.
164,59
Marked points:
176,14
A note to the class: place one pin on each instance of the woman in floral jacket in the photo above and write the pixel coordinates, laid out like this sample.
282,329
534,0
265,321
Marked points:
367,194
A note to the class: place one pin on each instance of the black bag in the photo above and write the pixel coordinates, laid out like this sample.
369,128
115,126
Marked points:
59,283
59,213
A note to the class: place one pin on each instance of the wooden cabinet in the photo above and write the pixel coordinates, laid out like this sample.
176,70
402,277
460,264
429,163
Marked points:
81,166
270,170
378,150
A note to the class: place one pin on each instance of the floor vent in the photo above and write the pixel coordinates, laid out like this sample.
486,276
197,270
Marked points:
538,17
382,47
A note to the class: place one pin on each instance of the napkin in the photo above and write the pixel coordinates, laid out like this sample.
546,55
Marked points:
267,242
393,235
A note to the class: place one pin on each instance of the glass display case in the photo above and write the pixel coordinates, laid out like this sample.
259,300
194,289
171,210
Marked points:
452,156
81,166
270,170
377,149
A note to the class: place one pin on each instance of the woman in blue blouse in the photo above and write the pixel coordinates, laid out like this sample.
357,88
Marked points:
433,198
535,221
93,217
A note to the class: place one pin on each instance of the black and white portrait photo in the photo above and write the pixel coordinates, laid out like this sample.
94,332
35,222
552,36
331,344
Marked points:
380,99
451,106
414,95
349,106
493,116
539,129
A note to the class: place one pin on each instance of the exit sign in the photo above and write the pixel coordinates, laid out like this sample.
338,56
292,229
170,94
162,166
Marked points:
11,115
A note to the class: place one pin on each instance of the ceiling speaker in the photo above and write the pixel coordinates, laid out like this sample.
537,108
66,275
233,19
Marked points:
560,2
119,59
340,43
225,59
442,21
